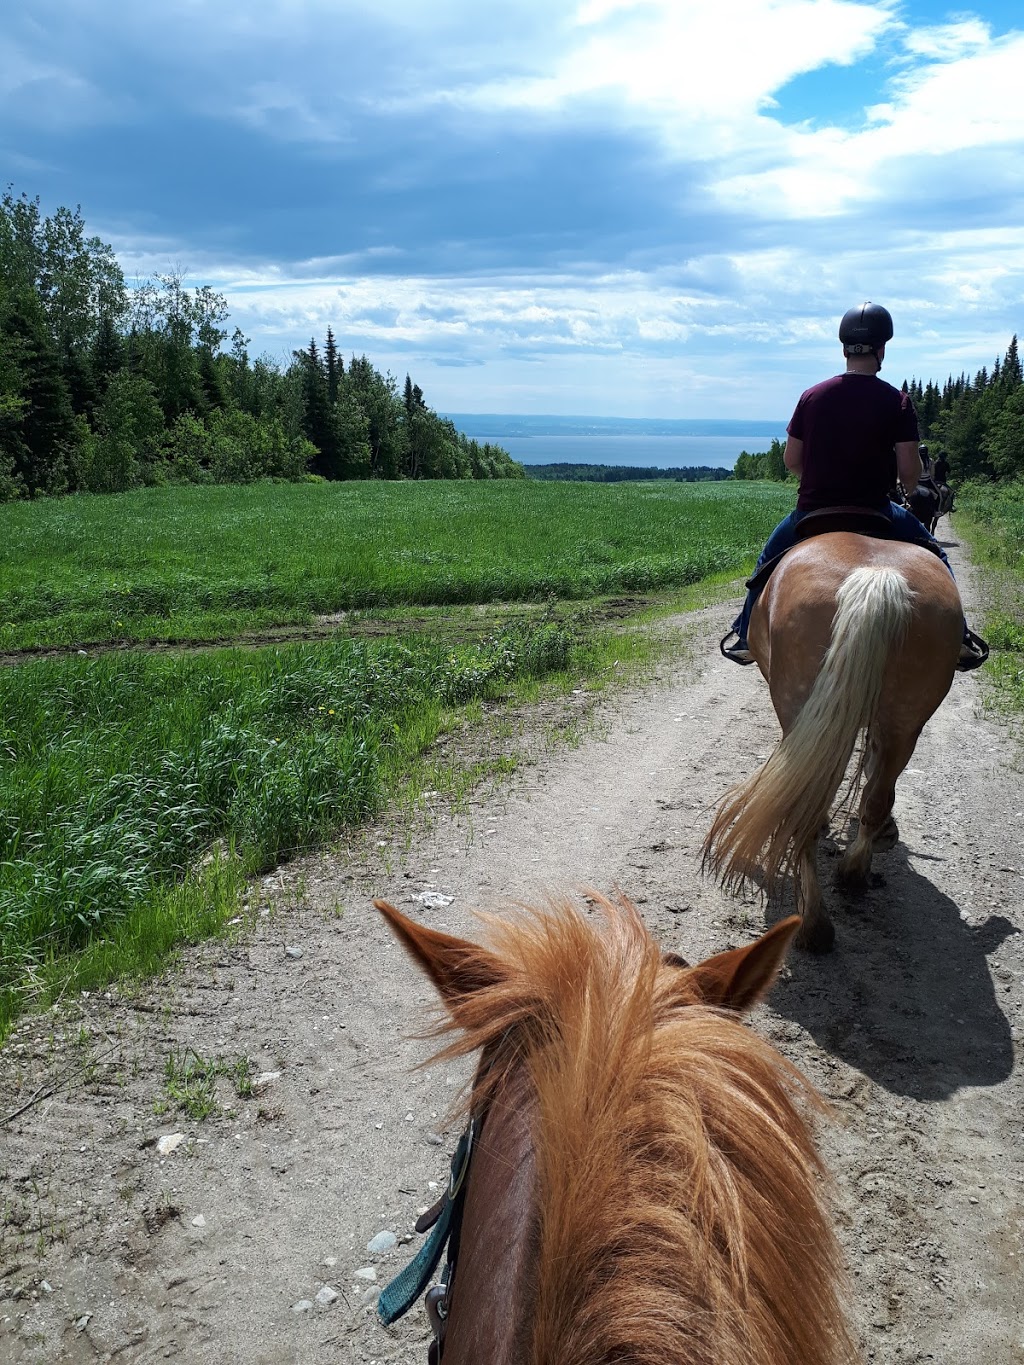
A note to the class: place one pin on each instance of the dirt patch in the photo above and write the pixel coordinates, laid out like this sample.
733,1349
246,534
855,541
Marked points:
116,1245
451,626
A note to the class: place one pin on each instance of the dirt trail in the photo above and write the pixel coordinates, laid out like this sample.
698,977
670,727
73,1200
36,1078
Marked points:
910,1028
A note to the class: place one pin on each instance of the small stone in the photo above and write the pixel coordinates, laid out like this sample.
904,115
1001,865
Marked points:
303,1306
433,900
365,1272
435,1139
330,1262
265,1078
170,1142
46,1286
199,1221
292,952
384,1241
83,1322
326,1296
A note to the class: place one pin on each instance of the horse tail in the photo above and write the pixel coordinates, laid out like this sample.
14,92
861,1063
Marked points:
762,824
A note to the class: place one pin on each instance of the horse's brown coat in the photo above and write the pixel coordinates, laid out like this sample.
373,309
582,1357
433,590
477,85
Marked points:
648,1190
851,634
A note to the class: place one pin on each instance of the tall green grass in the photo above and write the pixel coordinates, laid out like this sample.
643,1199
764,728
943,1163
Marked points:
992,517
204,563
118,774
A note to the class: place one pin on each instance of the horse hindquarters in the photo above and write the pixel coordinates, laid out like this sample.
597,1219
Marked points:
771,822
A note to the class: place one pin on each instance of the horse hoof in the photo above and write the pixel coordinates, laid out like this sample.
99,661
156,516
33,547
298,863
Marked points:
850,878
888,836
817,938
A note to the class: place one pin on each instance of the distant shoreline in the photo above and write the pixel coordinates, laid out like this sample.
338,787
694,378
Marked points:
640,442
476,424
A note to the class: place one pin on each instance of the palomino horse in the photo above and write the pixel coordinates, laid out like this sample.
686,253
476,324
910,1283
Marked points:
851,634
643,1187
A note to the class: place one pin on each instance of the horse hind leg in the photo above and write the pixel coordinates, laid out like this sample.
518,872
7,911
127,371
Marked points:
877,828
816,933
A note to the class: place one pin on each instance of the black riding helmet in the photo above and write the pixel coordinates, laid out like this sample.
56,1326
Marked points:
864,329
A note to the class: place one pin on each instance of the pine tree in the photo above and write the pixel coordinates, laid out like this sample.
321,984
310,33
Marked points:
316,417
334,366
48,438
1012,373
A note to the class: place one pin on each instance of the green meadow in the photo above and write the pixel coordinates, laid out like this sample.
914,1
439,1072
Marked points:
139,789
196,564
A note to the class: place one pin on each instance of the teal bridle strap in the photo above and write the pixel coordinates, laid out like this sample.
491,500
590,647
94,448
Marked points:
409,1284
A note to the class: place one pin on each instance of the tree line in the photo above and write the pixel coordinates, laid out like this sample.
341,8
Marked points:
978,424
105,388
615,473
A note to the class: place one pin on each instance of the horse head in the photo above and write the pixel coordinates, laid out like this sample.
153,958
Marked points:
644,1185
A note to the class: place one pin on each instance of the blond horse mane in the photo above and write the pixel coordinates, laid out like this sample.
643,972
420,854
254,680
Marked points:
679,1199
763,822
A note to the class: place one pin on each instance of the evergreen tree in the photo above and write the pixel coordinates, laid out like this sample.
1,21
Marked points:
1012,374
109,354
46,445
316,415
334,368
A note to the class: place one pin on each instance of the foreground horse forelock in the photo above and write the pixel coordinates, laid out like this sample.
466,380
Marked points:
853,635
644,1186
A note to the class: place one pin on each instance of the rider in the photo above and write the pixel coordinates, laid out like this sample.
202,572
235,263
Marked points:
927,469
842,438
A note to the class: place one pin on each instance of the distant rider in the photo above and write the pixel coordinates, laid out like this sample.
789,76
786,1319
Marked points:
845,436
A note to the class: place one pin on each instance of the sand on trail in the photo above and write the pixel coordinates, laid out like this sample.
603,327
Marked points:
217,1250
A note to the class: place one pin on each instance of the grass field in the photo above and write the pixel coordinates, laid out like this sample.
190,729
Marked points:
992,517
119,773
209,563
138,790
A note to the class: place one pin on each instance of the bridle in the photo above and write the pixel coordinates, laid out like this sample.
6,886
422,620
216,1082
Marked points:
444,1222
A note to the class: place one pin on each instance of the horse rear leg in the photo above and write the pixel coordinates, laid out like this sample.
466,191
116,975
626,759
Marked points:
877,828
816,933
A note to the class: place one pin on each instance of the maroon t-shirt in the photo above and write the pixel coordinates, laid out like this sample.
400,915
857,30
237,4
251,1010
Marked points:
850,425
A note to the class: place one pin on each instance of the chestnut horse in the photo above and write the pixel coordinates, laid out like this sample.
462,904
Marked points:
643,1187
852,634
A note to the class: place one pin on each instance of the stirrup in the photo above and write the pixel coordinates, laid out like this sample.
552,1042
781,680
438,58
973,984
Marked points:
739,653
973,652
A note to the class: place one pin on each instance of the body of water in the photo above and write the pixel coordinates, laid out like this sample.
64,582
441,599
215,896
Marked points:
632,442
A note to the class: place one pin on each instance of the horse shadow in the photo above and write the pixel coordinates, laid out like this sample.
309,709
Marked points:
906,996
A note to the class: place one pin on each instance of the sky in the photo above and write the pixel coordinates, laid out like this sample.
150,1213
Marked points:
637,208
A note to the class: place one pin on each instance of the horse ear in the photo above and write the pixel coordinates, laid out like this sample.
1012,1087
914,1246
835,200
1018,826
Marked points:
456,966
738,979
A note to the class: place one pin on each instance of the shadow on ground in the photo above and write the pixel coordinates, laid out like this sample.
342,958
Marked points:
906,996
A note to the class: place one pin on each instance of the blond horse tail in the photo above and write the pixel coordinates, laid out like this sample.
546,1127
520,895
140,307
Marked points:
762,825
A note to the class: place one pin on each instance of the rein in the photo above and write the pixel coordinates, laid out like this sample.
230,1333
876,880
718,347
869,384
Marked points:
445,1222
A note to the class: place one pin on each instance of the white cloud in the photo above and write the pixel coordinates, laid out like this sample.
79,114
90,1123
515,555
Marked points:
960,103
682,67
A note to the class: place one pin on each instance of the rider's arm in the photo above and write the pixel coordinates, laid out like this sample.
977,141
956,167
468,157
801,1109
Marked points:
794,456
908,464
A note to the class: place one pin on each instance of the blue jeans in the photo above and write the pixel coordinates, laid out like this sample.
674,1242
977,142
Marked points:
905,527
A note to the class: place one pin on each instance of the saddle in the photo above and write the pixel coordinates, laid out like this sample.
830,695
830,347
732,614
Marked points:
862,521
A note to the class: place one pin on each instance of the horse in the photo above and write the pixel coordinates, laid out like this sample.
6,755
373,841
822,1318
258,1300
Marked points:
852,634
929,502
643,1184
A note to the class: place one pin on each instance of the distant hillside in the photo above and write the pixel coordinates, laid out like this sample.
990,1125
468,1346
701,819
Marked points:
611,473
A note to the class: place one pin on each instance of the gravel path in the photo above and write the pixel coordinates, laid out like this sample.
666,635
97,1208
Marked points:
112,1250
